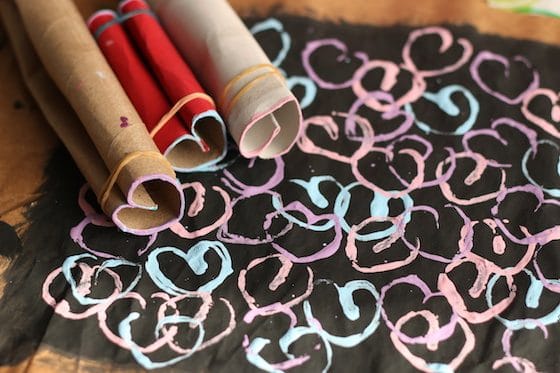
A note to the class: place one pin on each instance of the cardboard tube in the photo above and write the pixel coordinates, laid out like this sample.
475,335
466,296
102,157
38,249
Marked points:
182,144
138,83
147,197
262,115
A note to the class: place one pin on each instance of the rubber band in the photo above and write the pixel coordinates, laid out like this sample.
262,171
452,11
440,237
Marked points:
175,109
128,15
119,18
247,87
242,75
101,29
110,183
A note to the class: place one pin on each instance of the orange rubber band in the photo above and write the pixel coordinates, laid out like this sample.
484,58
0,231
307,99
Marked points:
242,75
175,109
110,183
247,87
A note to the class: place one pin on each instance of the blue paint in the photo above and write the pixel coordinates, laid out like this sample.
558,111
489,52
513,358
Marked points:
351,312
126,334
534,293
195,259
554,192
443,100
379,207
72,261
275,25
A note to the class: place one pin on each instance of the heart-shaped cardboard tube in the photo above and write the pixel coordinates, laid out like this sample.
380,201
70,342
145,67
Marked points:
186,153
154,203
272,134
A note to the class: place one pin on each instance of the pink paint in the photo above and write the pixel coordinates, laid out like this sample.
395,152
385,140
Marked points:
352,250
350,123
518,363
118,341
280,278
310,218
97,219
544,124
485,269
390,78
252,190
446,43
199,202
63,307
432,337
225,235
416,182
420,363
543,237
307,145
481,166
487,56
124,122
313,46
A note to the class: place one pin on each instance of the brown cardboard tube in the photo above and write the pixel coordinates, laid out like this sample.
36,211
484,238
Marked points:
83,102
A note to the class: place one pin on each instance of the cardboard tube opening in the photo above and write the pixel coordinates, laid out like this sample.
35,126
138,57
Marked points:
187,154
285,119
165,212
